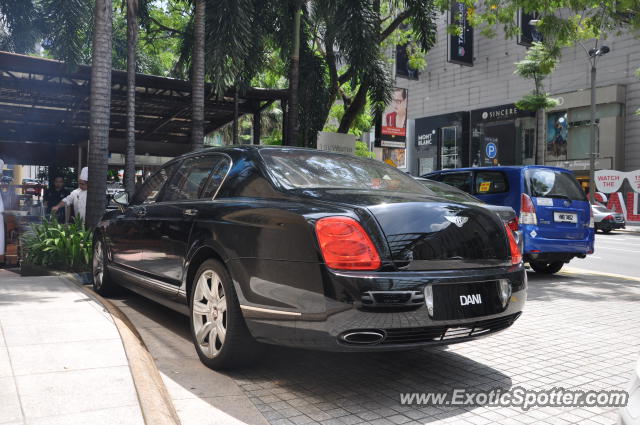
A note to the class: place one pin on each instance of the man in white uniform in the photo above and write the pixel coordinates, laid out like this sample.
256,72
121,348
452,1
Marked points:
77,198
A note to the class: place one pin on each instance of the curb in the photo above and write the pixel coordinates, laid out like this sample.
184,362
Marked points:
155,401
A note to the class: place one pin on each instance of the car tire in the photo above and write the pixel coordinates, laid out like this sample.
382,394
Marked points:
103,284
606,230
218,330
546,268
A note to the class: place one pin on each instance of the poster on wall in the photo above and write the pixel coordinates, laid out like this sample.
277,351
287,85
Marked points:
460,44
395,157
557,133
394,121
610,181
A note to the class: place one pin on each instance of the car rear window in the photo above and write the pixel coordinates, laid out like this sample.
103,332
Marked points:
554,184
488,182
307,169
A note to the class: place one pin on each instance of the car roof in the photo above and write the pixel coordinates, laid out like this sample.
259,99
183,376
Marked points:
500,168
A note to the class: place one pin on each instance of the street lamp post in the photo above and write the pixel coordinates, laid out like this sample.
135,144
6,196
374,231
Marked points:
593,56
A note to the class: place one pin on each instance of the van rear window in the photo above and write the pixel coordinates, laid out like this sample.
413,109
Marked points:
554,184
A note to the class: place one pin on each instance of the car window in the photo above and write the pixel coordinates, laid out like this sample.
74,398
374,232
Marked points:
554,184
215,180
448,192
309,169
490,182
191,178
152,186
460,180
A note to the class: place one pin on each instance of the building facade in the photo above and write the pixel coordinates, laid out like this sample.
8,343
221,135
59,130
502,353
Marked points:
465,114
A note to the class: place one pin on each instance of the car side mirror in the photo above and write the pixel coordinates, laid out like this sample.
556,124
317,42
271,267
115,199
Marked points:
121,198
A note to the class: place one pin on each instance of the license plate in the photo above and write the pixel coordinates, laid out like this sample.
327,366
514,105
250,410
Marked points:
563,217
465,300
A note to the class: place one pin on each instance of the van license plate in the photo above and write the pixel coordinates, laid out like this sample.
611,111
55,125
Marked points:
563,217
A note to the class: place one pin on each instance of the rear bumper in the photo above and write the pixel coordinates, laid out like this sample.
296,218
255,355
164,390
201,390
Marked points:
610,225
534,244
402,327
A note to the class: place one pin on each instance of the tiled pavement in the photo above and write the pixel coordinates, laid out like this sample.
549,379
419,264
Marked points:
577,333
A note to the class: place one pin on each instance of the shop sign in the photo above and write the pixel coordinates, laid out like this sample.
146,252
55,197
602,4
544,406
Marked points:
336,142
461,43
499,113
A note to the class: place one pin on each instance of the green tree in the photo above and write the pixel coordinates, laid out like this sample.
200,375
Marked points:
538,63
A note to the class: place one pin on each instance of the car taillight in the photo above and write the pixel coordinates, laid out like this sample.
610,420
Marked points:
513,224
345,245
527,210
516,255
592,222
609,218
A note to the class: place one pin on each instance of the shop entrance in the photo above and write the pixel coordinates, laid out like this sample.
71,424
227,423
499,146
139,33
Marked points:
504,135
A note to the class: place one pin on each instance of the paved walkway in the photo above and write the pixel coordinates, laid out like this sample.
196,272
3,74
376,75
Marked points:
61,357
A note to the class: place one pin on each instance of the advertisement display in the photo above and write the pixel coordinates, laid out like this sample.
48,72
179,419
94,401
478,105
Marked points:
394,121
460,44
395,157
609,181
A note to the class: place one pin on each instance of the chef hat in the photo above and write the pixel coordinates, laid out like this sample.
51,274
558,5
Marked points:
84,174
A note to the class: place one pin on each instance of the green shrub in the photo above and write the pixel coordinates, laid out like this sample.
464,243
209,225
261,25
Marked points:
61,246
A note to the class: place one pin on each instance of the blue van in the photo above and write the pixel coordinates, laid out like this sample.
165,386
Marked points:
553,211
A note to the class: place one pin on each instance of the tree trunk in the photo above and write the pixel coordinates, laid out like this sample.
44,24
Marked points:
355,108
132,41
99,107
294,80
197,79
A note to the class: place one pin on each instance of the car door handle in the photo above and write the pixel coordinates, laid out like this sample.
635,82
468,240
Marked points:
190,212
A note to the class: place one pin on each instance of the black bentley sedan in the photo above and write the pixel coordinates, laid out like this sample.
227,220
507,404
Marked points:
311,249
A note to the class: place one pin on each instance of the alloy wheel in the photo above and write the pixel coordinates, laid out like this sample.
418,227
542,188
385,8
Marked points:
209,313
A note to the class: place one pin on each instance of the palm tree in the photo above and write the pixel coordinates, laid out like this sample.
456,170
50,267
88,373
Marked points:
135,9
99,107
132,40
197,78
294,78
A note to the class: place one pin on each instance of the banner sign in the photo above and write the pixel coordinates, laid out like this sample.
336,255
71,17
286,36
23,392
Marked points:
394,121
460,44
610,181
528,32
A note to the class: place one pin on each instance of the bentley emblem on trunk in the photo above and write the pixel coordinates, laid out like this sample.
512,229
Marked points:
458,221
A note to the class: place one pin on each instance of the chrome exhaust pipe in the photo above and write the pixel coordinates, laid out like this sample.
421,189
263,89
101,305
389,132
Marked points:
363,337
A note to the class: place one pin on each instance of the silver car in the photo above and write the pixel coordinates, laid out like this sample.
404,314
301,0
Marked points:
607,220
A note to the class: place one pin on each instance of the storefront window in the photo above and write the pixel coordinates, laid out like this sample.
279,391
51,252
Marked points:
526,130
449,156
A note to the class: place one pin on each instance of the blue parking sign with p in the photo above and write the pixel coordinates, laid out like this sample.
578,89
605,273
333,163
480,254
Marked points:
491,150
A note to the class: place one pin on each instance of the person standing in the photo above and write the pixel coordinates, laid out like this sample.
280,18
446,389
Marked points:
78,197
54,195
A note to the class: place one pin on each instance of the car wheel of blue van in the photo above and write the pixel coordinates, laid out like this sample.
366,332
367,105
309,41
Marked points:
546,267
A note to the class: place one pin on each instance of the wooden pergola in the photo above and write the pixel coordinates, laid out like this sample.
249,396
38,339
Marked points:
44,112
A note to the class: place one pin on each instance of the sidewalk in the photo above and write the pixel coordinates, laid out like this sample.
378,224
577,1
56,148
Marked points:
61,357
